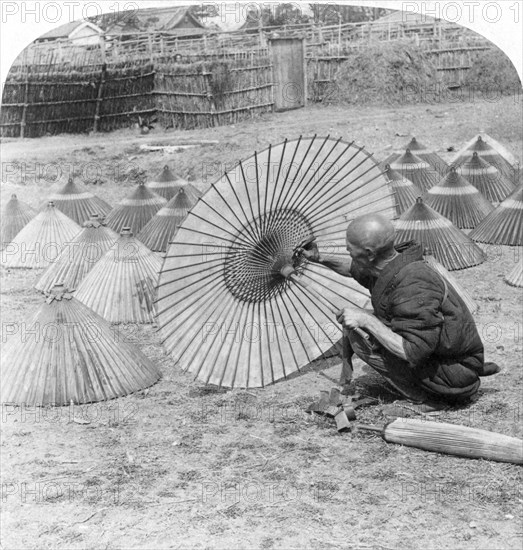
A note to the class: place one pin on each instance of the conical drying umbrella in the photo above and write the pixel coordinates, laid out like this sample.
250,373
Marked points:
424,153
462,291
78,203
405,191
236,307
16,216
121,287
489,154
136,210
486,178
73,357
166,184
505,224
79,258
162,227
515,276
439,236
41,241
459,201
419,172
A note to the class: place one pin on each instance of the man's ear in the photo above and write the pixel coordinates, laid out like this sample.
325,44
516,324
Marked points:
371,255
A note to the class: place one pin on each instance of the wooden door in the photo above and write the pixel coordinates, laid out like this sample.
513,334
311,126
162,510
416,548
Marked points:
290,84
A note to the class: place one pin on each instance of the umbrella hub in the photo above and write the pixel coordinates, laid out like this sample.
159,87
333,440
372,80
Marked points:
253,263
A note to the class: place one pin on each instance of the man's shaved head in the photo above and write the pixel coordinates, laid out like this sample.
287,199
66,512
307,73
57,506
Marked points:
373,233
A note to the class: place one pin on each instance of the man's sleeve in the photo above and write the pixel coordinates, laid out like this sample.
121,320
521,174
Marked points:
416,313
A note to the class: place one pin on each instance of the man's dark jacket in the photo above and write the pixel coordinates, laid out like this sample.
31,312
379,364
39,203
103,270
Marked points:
442,345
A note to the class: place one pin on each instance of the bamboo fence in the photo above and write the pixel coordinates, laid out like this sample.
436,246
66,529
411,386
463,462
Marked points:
209,92
221,78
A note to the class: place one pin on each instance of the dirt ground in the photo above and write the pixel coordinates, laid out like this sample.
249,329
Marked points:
182,465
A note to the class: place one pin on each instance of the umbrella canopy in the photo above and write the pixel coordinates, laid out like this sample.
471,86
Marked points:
515,276
418,171
78,203
162,227
79,258
230,308
486,178
461,290
17,214
121,287
459,201
422,152
72,357
440,237
498,157
41,241
166,184
136,210
405,191
505,224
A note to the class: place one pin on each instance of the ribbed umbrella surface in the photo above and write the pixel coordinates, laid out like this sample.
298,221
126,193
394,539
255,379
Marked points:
422,152
440,237
72,356
136,210
121,287
459,201
505,224
16,215
405,191
515,276
418,171
41,241
166,184
489,181
461,290
238,305
162,227
483,146
78,203
79,258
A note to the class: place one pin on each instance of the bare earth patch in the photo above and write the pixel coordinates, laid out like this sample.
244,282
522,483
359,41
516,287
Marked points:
186,466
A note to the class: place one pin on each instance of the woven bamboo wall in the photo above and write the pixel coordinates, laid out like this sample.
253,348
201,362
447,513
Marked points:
211,91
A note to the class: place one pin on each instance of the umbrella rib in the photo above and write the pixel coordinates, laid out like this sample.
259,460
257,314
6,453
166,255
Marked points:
253,234
285,328
282,156
226,362
268,341
254,221
290,204
297,332
280,206
266,190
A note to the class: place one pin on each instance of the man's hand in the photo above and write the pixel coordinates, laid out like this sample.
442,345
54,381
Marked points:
353,317
308,249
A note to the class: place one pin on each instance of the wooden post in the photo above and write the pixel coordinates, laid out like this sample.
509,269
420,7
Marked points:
26,95
99,93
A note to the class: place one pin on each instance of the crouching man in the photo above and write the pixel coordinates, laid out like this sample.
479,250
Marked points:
423,339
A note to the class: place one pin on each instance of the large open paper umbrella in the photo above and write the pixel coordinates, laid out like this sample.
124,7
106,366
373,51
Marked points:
236,306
